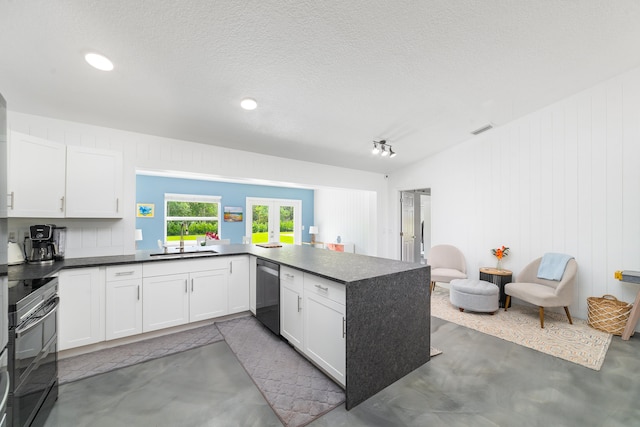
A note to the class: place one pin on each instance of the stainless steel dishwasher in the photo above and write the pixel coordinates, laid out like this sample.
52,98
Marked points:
268,294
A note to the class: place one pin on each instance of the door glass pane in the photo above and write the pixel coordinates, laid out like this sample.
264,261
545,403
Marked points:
260,224
286,224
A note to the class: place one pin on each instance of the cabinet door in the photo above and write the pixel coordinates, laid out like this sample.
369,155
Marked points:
124,308
166,301
81,316
209,293
238,284
324,334
36,177
291,316
252,283
94,183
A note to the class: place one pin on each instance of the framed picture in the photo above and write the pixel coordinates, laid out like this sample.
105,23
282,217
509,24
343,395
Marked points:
232,214
145,210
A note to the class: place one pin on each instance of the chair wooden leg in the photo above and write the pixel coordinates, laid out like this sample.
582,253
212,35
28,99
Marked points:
566,310
542,317
433,286
507,301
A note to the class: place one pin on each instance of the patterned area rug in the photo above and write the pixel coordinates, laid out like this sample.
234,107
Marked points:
101,361
577,343
295,389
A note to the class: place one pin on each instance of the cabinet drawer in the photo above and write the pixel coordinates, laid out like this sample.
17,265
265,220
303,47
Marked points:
124,272
291,277
318,285
162,268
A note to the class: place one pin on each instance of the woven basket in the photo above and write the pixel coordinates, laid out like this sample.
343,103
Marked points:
608,314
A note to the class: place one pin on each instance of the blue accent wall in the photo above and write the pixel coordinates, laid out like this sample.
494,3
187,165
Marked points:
151,189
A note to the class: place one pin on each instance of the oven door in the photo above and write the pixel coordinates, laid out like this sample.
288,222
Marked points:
36,362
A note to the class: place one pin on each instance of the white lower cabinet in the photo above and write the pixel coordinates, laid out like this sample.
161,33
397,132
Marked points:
291,315
81,316
325,325
166,301
124,301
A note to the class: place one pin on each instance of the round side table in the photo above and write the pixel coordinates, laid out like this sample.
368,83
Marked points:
498,277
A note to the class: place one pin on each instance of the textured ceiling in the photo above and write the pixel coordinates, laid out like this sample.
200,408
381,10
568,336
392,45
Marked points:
329,76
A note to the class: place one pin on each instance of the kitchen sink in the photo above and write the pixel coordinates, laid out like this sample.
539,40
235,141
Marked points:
186,254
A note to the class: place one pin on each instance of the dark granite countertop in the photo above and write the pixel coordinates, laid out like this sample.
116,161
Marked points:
338,266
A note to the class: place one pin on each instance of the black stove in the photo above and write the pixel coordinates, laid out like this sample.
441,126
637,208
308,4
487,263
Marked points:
32,351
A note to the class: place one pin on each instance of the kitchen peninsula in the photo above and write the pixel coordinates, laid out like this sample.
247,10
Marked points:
387,305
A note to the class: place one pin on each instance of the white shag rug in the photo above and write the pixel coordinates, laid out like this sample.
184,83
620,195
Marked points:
578,343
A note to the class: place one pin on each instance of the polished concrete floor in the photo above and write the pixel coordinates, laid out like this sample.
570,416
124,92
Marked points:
479,380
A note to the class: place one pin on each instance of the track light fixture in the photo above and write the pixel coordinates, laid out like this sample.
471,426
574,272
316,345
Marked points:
383,148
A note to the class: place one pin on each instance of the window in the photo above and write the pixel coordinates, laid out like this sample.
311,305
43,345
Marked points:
198,213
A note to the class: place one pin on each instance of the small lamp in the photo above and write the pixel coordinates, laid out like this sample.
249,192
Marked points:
313,230
138,236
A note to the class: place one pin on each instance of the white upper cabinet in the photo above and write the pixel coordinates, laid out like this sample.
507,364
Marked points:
94,183
47,179
36,177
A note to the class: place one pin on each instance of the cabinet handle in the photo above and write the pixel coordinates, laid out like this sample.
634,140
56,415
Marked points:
192,284
117,204
290,276
230,267
125,273
322,288
344,327
186,287
299,298
62,204
11,196
138,292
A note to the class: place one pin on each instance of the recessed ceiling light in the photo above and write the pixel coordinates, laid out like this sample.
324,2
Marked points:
249,104
98,61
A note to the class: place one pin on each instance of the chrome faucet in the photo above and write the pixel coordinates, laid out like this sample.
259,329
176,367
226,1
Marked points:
183,231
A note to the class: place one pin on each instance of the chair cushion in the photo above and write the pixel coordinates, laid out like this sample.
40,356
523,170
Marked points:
534,293
446,275
475,287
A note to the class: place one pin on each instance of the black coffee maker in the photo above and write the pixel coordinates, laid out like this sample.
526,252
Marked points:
47,243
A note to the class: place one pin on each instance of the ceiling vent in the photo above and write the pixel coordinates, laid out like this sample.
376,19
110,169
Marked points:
482,129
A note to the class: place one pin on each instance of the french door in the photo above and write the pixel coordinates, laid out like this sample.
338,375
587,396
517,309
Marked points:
274,220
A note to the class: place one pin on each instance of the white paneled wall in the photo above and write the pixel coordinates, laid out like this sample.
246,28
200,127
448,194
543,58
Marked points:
350,214
563,179
100,237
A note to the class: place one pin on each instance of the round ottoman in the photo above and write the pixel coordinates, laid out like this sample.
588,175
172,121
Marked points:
474,295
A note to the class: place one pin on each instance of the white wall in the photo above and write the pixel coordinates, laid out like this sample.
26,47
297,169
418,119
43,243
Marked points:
563,179
350,214
100,237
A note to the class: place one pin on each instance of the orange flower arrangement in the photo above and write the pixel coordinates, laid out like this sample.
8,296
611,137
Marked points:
500,252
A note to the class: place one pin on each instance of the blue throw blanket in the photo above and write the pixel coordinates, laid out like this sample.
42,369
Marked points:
552,266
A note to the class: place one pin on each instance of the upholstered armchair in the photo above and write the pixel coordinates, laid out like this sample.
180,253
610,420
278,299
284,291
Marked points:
541,292
447,263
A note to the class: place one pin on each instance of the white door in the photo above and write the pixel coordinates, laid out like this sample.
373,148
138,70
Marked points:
408,233
94,183
324,339
415,224
208,294
36,177
81,314
274,220
124,308
238,284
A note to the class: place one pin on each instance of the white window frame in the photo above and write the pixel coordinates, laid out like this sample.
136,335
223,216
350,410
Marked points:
198,198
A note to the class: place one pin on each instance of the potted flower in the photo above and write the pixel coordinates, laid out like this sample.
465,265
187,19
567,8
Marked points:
209,236
500,253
